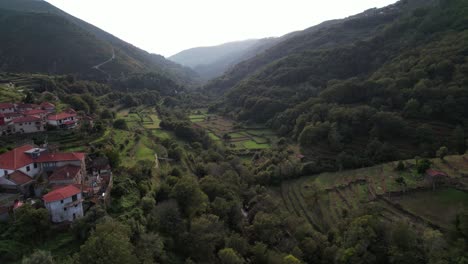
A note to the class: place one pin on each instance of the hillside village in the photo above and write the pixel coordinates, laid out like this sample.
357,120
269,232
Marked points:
21,118
60,181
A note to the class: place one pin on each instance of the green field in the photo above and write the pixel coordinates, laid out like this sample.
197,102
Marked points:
239,138
136,143
440,206
325,198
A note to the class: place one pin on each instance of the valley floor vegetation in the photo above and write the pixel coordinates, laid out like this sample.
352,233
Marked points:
344,143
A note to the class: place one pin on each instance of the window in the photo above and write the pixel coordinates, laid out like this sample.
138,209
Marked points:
28,168
61,201
74,197
35,165
5,172
64,209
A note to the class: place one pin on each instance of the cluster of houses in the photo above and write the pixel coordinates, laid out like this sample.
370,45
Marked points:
19,118
63,181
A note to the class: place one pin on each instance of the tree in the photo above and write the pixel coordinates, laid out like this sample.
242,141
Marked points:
230,256
423,165
77,103
458,140
412,108
109,243
167,219
107,114
189,196
442,152
113,157
400,166
91,101
290,259
150,248
434,245
31,225
120,124
39,257
206,235
401,181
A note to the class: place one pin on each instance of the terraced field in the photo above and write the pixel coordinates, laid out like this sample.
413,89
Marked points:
137,143
232,135
325,199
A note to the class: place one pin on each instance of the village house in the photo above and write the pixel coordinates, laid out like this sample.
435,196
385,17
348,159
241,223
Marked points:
27,170
33,161
42,114
28,124
7,108
68,174
28,115
49,107
8,117
17,182
63,120
26,107
64,204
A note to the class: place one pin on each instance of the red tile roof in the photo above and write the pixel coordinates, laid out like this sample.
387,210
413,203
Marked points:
49,157
35,112
47,105
17,205
16,158
434,173
12,114
60,116
67,172
19,178
26,119
61,193
6,105
33,106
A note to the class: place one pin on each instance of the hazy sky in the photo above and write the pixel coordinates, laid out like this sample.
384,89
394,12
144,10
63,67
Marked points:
169,26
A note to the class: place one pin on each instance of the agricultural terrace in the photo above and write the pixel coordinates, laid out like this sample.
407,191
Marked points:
138,141
327,198
236,137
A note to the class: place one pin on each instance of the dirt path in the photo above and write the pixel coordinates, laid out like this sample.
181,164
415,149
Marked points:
98,67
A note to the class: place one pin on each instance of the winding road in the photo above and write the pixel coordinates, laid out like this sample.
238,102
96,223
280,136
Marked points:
98,67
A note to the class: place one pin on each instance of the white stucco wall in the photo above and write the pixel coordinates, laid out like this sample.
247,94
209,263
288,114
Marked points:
32,171
29,127
59,214
7,110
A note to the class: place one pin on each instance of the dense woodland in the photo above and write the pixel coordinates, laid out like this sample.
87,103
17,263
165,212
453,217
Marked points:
397,86
386,85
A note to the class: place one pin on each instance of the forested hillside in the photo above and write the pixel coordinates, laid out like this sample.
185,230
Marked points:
38,37
397,82
344,143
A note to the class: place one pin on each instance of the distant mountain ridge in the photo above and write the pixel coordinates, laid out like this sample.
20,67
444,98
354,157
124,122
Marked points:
327,35
29,16
211,62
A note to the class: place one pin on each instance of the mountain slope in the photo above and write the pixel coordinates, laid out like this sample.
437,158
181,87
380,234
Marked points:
327,35
211,62
397,88
129,59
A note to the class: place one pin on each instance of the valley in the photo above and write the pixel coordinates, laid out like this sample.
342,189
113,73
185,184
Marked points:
342,143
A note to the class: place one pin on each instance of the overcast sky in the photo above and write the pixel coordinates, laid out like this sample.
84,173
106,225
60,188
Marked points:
169,26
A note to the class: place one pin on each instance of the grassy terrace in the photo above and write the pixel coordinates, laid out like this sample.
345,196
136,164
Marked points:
137,142
430,205
325,198
231,134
